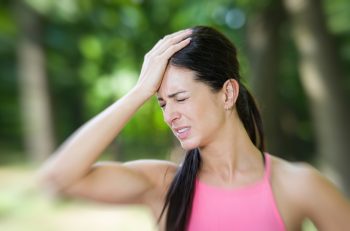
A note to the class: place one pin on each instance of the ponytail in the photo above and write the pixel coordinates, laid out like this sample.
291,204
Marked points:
249,114
179,198
213,58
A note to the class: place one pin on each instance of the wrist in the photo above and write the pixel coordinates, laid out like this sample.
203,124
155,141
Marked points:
140,91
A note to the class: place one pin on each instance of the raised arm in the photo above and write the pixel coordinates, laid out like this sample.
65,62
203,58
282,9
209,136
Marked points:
71,168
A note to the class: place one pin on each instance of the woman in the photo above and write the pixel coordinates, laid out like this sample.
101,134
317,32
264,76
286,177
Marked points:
227,180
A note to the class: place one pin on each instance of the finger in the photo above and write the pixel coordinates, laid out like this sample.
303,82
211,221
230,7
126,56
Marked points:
168,40
169,36
175,34
174,48
171,40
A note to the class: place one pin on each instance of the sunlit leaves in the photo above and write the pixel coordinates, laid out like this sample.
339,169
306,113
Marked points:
7,24
338,15
91,47
94,50
63,9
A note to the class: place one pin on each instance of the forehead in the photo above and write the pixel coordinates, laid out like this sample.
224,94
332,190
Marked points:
177,79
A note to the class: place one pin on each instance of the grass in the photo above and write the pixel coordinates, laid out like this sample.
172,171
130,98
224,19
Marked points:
24,208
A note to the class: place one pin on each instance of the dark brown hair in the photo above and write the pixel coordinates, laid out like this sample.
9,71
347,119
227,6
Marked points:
214,60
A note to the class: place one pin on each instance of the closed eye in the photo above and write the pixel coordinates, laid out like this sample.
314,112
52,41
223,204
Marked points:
181,100
162,105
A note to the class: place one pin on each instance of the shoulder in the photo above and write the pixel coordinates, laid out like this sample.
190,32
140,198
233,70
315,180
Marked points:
292,180
293,172
305,190
301,176
159,173
297,179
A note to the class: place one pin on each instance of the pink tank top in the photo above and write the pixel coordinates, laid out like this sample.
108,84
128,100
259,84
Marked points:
250,208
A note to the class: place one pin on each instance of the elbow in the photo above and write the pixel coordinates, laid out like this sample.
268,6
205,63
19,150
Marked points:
48,182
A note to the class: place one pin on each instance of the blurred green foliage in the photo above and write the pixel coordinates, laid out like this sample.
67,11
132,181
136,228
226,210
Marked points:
94,51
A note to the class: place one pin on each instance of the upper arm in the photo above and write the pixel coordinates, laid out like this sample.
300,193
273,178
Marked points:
323,203
113,182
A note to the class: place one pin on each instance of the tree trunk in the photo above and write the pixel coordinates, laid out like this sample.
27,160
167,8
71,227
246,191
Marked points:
263,54
323,80
33,90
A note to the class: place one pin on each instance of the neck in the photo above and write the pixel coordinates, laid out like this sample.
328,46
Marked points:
231,156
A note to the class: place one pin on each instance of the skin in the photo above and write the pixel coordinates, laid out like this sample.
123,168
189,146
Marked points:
229,157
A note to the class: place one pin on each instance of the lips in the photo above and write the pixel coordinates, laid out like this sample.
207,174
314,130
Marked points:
182,132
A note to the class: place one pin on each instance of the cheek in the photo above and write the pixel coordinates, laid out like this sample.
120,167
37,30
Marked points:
194,111
210,103
212,116
202,109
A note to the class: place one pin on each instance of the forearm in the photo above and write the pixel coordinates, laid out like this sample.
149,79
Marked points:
73,160
75,157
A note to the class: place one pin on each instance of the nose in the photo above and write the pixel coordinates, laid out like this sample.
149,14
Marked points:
170,114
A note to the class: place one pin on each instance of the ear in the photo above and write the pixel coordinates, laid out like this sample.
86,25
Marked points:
230,92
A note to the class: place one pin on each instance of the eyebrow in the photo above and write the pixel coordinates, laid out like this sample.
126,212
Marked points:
171,95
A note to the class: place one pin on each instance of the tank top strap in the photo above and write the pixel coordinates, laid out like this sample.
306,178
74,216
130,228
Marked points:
267,174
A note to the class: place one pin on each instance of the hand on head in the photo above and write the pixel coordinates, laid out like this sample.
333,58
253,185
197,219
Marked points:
156,60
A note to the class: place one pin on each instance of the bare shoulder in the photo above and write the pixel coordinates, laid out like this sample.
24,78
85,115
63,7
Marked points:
159,172
293,172
300,178
291,181
304,190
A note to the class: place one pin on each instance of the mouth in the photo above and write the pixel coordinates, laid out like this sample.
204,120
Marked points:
182,132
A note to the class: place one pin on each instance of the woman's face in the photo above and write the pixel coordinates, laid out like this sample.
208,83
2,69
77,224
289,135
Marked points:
193,112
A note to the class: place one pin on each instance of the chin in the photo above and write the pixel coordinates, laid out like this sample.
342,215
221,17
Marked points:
189,145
